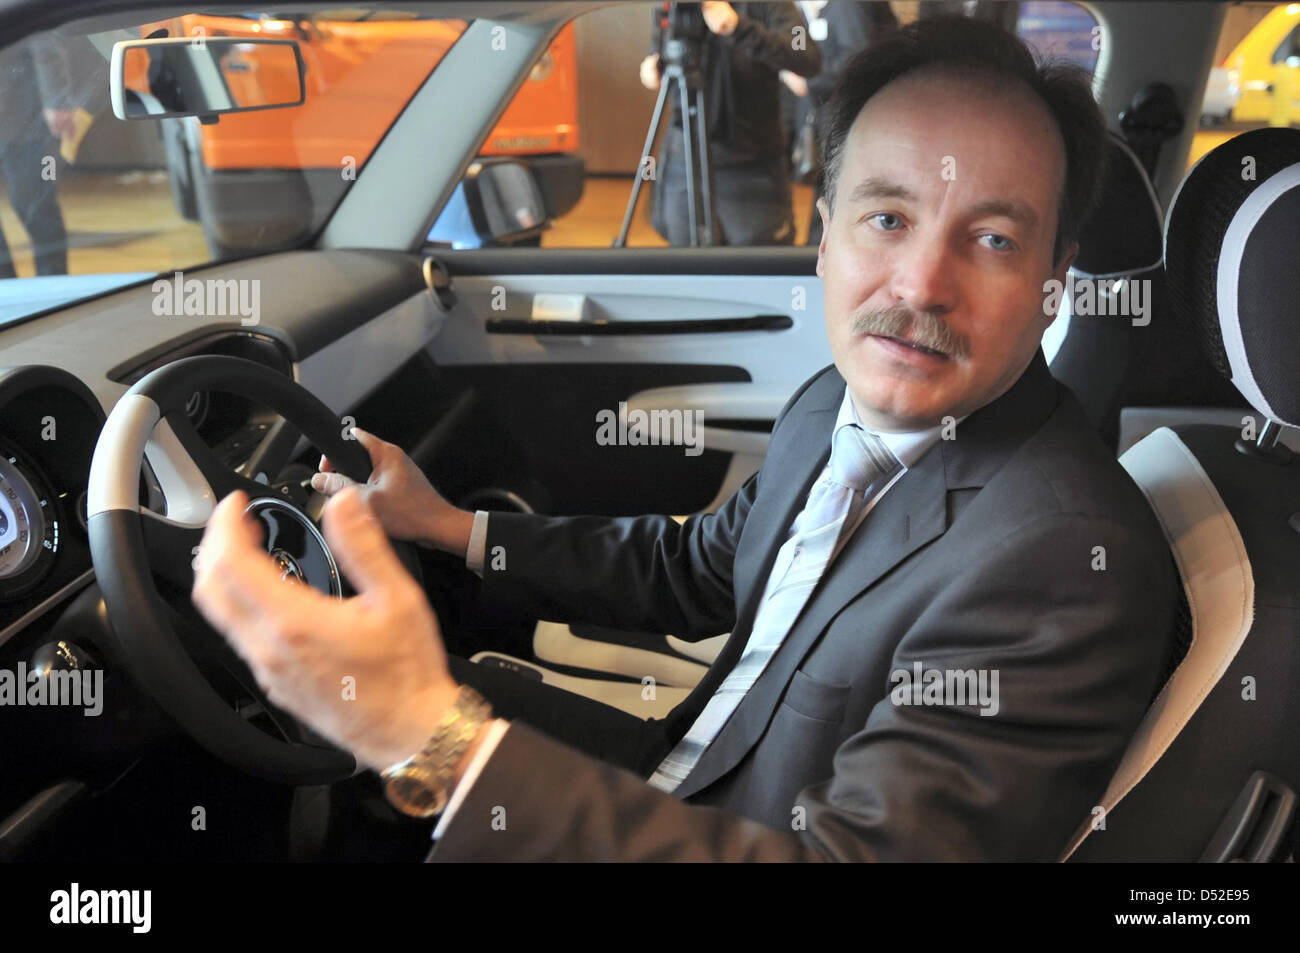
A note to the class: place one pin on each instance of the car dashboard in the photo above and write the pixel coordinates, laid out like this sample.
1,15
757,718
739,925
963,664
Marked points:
60,373
340,323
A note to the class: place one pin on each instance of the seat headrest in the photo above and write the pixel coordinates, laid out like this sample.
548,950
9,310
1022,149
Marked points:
1121,236
1232,258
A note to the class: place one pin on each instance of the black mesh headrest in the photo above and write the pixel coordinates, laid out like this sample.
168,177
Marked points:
1232,256
1122,235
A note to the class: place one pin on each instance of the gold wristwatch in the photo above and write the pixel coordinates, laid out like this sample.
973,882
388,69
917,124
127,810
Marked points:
421,785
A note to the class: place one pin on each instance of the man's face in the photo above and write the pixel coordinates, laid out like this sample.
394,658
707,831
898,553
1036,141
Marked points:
945,215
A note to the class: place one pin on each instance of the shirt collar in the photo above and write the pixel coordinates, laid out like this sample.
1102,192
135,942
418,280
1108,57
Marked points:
909,448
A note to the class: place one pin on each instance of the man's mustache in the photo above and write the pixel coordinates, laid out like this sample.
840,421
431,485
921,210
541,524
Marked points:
917,327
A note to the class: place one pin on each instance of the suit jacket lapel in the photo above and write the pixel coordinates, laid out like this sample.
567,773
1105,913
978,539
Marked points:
790,469
911,514
794,473
907,517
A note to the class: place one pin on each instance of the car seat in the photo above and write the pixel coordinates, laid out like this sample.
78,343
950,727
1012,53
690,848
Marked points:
1119,241
1213,770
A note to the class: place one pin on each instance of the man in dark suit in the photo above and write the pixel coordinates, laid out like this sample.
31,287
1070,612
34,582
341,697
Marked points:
843,29
949,606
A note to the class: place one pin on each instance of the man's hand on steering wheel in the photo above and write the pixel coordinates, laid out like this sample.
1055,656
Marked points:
370,672
403,499
131,545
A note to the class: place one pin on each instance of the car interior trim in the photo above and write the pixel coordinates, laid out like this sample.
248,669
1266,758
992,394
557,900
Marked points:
721,262
544,326
555,642
1240,229
388,340
190,499
1216,575
114,481
49,602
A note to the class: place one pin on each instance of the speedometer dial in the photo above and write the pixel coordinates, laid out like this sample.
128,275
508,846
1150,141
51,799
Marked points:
29,528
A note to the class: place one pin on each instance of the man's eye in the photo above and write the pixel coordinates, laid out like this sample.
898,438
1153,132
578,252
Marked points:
998,242
888,221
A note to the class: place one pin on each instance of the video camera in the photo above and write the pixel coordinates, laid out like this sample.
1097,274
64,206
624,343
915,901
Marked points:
682,34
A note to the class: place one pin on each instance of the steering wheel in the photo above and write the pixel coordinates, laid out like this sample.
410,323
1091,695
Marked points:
129,544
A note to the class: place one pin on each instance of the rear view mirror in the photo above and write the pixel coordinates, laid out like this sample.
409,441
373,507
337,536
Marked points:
204,76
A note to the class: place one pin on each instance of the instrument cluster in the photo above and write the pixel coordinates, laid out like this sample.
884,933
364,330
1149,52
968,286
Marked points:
29,524
49,424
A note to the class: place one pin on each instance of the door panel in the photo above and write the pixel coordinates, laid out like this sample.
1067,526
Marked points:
534,433
551,338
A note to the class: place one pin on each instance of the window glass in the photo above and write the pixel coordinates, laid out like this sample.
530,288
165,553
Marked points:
89,202
1256,78
762,152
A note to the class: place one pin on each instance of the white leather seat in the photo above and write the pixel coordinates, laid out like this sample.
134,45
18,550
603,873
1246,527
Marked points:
1220,589
1213,770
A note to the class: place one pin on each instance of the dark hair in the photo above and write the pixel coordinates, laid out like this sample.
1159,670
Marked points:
977,49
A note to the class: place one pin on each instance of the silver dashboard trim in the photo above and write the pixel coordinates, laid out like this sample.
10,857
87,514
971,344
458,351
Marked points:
38,610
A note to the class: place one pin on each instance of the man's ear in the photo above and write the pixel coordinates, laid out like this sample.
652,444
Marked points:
824,210
1066,261
1059,273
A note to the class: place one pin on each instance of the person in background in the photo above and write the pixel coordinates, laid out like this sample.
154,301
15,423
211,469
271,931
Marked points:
747,46
841,29
38,109
1005,14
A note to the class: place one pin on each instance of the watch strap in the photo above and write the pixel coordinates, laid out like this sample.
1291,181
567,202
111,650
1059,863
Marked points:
421,785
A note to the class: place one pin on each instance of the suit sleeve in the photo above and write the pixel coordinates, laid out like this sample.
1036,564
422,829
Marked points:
1078,654
771,40
645,573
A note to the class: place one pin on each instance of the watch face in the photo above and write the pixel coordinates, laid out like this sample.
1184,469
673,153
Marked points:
411,795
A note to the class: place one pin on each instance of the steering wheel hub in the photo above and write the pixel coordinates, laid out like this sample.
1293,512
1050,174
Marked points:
297,546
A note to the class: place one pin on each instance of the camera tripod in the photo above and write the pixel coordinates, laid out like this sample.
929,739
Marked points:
683,52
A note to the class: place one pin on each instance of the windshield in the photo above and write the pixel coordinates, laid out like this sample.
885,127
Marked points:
89,202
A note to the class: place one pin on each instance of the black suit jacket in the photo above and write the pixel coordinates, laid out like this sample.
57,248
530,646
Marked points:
1020,547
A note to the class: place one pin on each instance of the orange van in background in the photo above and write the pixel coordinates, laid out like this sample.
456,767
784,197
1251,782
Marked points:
265,179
